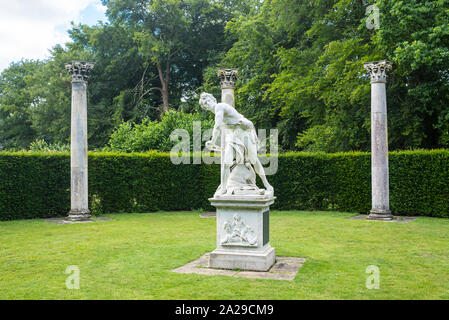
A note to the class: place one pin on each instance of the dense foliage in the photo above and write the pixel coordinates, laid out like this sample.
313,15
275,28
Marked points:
37,184
154,135
301,68
342,181
149,58
300,71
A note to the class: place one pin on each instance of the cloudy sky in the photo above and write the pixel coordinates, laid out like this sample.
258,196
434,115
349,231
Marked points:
29,28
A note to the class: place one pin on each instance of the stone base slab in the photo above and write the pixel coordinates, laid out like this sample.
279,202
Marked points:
383,215
79,215
63,220
397,219
243,260
285,268
208,215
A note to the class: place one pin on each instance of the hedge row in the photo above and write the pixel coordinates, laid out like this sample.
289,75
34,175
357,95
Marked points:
37,185
419,182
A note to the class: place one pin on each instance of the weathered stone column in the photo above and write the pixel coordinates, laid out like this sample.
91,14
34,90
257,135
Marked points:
78,144
228,78
379,141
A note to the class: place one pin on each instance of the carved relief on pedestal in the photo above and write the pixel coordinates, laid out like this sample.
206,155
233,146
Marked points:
378,70
79,70
228,78
238,233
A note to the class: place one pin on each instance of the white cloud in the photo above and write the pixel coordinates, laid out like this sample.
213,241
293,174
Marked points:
29,28
101,7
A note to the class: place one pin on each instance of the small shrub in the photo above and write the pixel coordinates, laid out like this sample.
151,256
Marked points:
153,135
40,145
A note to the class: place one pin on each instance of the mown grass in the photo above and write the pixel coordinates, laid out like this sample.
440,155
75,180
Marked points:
132,258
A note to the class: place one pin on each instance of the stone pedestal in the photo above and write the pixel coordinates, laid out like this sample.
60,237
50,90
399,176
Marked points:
78,144
243,237
379,141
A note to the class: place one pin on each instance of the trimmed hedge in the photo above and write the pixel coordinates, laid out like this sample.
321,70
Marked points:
37,185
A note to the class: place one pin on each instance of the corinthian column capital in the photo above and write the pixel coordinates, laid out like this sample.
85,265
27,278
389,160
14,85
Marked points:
79,70
378,70
228,78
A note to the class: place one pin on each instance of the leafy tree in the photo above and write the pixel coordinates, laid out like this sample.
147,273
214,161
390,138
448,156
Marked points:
414,35
179,38
176,40
52,90
113,81
17,103
301,68
260,37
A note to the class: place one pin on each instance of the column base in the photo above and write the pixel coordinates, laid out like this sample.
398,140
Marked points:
243,260
381,215
79,215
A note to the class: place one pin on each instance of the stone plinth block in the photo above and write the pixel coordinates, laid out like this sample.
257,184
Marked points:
285,268
243,235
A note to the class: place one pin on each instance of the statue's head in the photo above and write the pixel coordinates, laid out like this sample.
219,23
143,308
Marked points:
208,101
227,227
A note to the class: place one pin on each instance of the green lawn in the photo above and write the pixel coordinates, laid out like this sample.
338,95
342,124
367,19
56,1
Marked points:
132,258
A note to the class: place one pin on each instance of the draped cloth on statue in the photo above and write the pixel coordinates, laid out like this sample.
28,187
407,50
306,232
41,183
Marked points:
240,145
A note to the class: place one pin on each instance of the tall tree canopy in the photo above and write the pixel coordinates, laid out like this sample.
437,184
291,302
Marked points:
149,58
300,70
17,103
175,39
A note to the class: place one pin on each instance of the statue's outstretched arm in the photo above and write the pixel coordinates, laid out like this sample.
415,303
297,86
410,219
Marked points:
217,126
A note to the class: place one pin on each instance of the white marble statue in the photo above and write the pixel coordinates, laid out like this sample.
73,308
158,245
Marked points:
238,147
